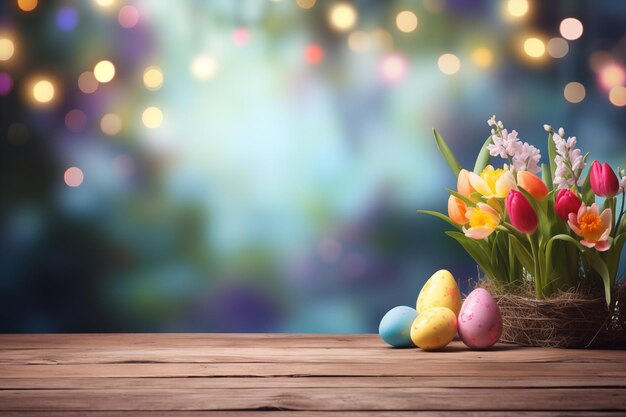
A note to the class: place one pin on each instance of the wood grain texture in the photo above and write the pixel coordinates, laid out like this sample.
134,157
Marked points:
301,375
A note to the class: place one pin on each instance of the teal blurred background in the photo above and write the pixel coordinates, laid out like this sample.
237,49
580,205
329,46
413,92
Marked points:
257,165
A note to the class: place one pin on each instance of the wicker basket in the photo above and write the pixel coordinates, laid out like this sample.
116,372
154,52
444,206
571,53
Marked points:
571,320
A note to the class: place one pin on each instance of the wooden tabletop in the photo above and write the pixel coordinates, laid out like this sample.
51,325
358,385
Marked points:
303,375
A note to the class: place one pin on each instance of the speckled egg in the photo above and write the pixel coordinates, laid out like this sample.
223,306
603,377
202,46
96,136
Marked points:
480,321
434,328
395,327
440,291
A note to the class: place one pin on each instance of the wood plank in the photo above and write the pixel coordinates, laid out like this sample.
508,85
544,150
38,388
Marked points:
415,368
501,353
310,382
349,399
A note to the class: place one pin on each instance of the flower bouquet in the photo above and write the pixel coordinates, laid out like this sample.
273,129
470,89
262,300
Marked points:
549,246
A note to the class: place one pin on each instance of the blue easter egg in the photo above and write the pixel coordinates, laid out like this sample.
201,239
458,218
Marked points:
395,327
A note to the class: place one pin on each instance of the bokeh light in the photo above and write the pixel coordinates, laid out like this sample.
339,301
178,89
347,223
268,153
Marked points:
482,57
241,36
87,82
306,4
612,75
617,96
203,67
342,16
6,83
7,49
43,91
406,21
534,47
105,3
574,92
449,64
393,68
67,18
517,8
73,177
152,117
599,60
571,28
111,124
381,40
359,41
153,77
75,120
557,47
128,16
313,53
27,5
104,71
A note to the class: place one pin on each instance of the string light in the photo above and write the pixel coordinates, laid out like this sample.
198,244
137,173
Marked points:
153,77
406,21
7,49
534,47
128,16
104,71
449,64
152,117
571,28
111,124
73,177
306,4
617,96
482,57
574,92
203,67
87,82
105,3
517,8
612,75
558,47
27,5
43,91
342,16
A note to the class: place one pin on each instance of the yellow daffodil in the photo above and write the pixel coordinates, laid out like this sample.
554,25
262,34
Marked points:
493,182
482,221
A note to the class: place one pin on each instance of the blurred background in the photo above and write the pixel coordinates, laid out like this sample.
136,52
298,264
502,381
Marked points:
257,165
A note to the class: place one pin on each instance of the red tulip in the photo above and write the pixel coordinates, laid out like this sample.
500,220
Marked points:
521,213
603,180
566,202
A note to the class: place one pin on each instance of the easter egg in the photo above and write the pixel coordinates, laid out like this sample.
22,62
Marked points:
480,321
440,291
434,328
395,327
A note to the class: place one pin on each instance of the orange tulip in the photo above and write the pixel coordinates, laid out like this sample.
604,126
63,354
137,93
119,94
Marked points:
457,209
533,184
463,185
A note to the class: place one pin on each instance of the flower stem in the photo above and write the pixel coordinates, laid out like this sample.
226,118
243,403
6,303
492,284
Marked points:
536,272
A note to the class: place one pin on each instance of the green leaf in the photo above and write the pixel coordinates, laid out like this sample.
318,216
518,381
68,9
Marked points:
552,156
477,250
461,197
596,262
546,176
523,255
550,257
483,158
445,150
612,256
588,195
440,216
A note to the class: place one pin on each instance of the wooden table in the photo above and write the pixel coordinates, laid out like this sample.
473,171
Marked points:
304,375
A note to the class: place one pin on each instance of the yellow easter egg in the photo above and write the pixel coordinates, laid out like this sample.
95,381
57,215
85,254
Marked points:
434,328
440,291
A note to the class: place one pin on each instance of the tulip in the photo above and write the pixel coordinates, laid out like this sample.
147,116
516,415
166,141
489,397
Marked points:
603,180
533,184
457,209
521,213
463,185
492,182
483,220
592,226
566,202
